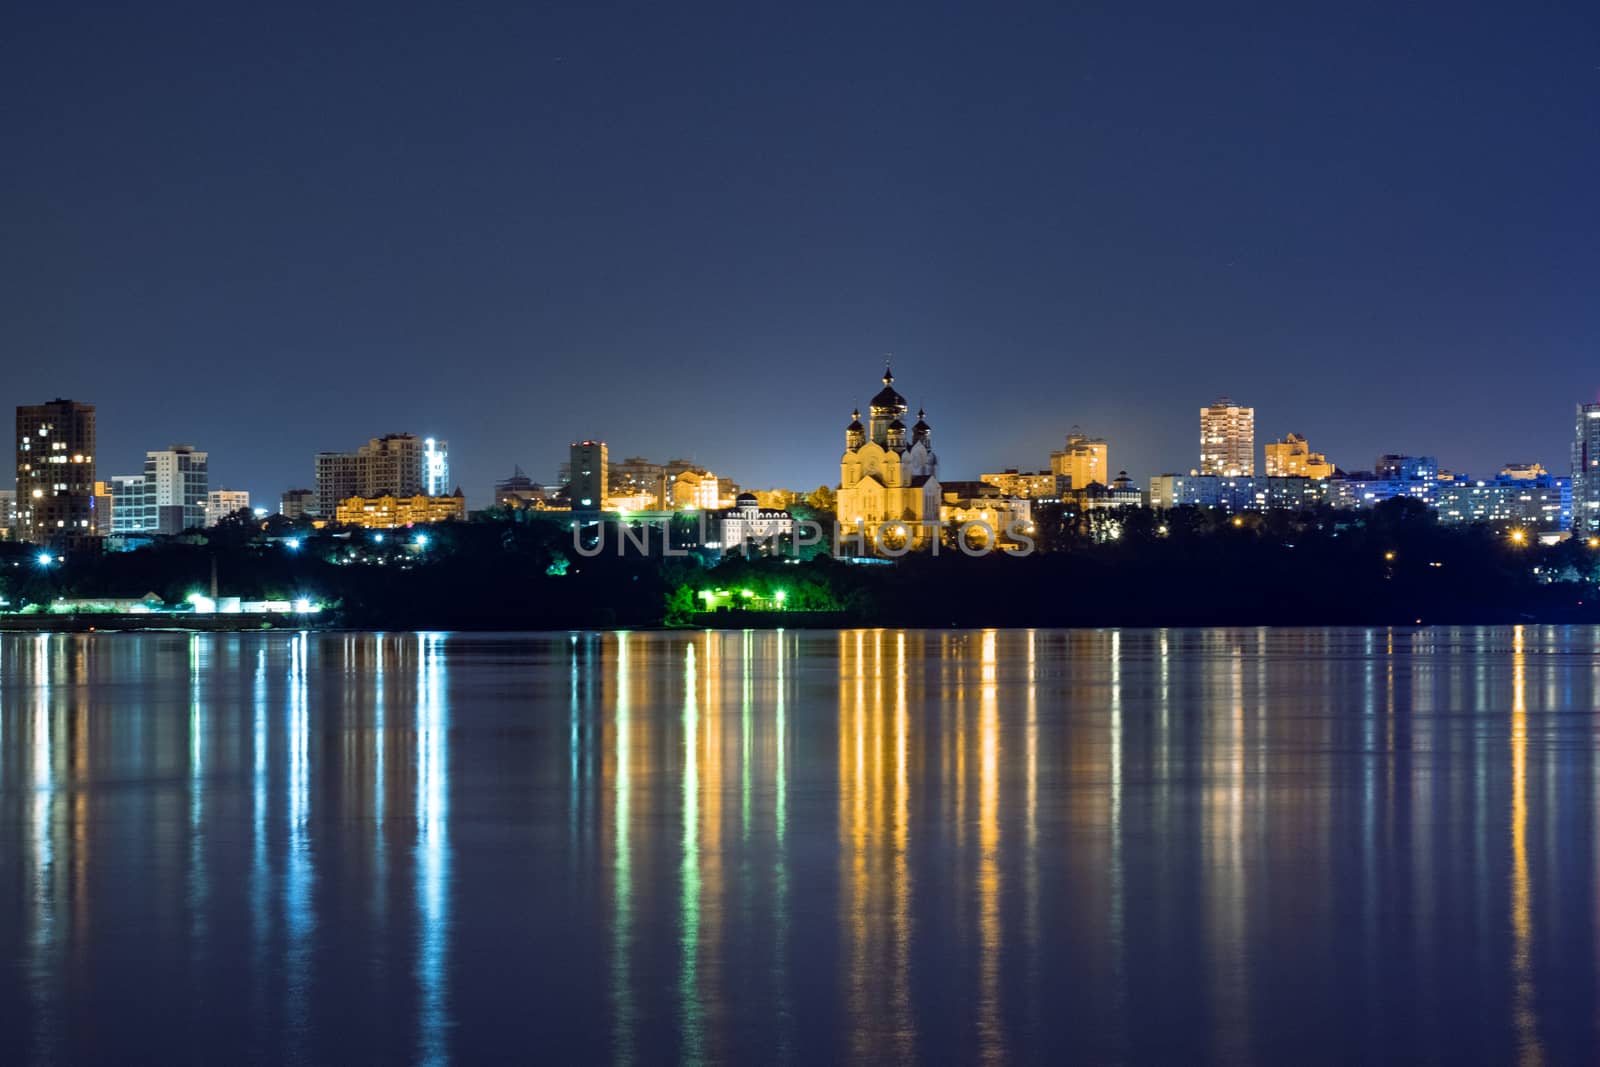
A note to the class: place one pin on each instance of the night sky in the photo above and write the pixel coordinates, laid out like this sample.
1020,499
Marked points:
695,229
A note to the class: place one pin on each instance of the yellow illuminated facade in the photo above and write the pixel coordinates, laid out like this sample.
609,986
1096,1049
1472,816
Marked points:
386,512
1004,516
1032,485
1292,458
696,489
1084,460
886,477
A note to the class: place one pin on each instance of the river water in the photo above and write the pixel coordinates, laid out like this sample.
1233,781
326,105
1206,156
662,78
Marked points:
999,846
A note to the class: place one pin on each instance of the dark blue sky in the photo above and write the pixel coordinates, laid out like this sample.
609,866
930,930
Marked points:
694,230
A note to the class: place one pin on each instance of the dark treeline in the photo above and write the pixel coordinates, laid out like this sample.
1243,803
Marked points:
1393,564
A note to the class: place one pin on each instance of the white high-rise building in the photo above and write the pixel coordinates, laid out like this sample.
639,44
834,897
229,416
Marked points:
171,493
1228,440
1586,469
435,467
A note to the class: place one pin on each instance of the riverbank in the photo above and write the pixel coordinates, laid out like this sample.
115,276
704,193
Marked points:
90,622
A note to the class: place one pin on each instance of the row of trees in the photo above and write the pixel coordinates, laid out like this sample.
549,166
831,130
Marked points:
1390,564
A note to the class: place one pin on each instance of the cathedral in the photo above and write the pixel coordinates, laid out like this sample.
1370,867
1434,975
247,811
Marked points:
886,477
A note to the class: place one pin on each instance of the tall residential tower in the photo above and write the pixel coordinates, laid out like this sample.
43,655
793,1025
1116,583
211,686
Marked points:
590,476
1585,469
55,471
1228,439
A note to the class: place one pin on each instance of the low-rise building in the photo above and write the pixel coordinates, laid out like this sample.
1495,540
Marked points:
1033,485
1232,494
387,512
1365,490
747,521
221,503
965,503
1292,458
520,491
1537,501
298,504
1121,493
696,489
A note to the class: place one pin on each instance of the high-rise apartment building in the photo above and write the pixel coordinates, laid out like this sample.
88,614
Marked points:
176,481
127,503
1292,458
168,498
1228,439
435,466
220,503
1083,460
590,476
1585,469
396,464
55,471
8,513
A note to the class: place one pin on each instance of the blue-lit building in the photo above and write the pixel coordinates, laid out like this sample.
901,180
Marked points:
1233,494
1533,499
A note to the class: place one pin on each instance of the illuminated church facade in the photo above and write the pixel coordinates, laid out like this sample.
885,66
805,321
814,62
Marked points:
889,474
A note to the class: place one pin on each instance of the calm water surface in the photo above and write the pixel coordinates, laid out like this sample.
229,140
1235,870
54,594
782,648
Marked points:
1196,845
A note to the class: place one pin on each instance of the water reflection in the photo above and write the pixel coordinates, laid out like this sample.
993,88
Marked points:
1529,1049
776,846
433,849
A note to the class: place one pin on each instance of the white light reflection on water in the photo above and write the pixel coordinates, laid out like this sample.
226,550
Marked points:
432,850
299,871
42,895
198,888
622,1008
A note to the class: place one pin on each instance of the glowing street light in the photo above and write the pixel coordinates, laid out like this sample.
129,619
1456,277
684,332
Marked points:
1519,537
45,559
421,541
292,544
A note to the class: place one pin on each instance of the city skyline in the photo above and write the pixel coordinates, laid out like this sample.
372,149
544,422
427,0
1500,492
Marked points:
557,229
482,496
